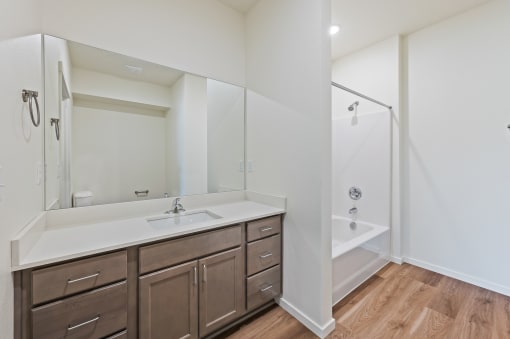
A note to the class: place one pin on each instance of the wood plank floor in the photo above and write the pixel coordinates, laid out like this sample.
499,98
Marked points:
400,301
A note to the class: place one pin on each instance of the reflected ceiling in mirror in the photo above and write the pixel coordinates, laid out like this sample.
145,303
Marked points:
132,130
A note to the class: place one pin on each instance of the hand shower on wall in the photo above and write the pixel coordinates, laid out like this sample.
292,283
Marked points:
28,96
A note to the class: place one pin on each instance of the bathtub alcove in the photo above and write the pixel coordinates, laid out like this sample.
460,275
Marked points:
361,164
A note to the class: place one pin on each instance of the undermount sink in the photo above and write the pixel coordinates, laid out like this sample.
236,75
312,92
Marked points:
182,219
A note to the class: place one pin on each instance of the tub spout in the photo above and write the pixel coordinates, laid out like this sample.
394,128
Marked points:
353,210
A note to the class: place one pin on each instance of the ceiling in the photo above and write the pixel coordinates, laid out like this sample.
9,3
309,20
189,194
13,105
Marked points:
99,60
242,6
364,22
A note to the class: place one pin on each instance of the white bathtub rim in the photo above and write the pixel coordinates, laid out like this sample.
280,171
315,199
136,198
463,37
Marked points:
347,246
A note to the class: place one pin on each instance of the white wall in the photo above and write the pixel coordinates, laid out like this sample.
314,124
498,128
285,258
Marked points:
117,152
289,142
187,136
225,136
375,71
19,18
361,158
202,37
21,149
457,159
21,200
172,139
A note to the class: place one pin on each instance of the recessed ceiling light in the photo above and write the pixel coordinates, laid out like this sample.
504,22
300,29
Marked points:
333,29
134,69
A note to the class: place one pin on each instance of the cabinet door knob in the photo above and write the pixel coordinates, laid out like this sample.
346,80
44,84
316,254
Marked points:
204,271
195,277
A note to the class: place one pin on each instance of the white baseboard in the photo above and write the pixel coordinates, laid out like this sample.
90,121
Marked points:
320,331
55,204
397,260
460,276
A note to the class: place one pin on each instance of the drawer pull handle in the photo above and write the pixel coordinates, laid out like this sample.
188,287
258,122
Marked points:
70,281
70,328
264,256
118,335
195,278
204,270
266,288
266,229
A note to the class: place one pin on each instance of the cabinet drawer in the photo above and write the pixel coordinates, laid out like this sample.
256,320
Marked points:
168,253
263,228
93,314
62,280
263,287
263,254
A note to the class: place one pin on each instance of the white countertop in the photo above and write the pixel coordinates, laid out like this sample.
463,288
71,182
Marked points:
54,244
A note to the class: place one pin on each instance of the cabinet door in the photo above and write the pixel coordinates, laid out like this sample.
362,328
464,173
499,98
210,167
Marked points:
221,290
169,303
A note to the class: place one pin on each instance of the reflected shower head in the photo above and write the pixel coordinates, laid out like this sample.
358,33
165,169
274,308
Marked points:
354,105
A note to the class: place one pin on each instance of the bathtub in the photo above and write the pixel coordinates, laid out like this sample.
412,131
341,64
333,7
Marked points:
358,251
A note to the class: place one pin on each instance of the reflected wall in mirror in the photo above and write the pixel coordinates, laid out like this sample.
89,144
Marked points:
131,130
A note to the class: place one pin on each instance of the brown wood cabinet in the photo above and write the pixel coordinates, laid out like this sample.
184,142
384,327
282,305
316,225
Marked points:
193,286
221,290
196,298
84,298
263,287
156,256
168,302
93,314
59,281
263,261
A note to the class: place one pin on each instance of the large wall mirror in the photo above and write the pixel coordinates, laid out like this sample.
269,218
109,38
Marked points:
120,129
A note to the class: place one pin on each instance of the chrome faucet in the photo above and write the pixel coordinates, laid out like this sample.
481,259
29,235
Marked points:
353,210
176,207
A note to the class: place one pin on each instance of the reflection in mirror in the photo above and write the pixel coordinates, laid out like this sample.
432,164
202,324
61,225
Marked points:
133,130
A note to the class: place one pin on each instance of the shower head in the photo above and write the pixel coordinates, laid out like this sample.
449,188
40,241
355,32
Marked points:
354,105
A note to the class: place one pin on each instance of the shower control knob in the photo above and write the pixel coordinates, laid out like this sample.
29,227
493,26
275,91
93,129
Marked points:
355,193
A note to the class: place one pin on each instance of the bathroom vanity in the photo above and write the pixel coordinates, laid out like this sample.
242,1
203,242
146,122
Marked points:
183,285
117,145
